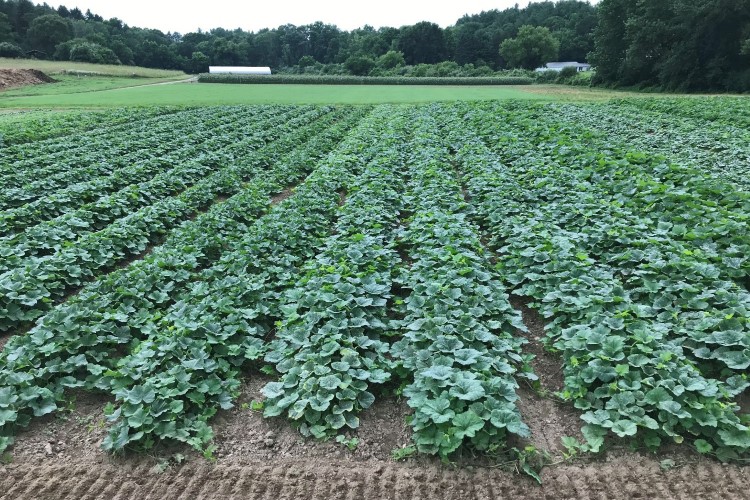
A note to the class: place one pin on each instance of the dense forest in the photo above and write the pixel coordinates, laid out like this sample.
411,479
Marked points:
673,44
44,32
667,44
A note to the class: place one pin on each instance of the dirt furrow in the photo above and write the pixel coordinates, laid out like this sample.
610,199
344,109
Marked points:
402,481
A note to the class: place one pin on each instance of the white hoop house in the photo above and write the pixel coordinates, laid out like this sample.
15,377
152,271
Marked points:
239,70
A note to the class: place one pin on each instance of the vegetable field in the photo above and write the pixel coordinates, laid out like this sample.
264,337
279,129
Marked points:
166,258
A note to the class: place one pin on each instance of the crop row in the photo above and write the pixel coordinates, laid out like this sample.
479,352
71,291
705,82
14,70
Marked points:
459,347
30,288
733,112
720,148
219,324
25,127
78,341
138,123
50,156
330,347
714,216
642,301
64,230
88,191
93,175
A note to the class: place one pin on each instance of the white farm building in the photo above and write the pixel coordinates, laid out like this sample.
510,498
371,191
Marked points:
239,70
558,66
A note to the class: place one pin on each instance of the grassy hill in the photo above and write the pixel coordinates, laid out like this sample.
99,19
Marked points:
75,77
53,68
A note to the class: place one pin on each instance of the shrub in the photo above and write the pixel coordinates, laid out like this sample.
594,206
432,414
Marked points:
359,65
549,76
566,75
391,59
93,53
198,63
582,79
11,50
306,61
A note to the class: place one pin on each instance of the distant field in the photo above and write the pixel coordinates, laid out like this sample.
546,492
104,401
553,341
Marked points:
217,94
94,86
122,86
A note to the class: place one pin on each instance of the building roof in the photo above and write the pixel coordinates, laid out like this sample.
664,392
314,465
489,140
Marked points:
565,64
240,70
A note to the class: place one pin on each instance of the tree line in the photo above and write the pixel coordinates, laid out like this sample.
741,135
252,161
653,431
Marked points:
667,44
673,44
40,31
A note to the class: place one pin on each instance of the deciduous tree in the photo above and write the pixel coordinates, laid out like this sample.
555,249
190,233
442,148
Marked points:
45,32
533,47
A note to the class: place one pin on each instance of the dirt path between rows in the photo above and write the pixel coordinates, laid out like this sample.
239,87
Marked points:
344,480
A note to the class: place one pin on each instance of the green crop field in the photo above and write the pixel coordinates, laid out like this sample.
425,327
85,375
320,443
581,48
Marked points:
353,253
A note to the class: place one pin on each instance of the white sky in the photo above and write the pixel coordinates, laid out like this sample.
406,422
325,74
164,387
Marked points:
183,16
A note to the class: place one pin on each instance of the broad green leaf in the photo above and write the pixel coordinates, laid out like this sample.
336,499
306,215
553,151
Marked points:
273,390
467,390
624,428
330,382
466,424
703,446
438,372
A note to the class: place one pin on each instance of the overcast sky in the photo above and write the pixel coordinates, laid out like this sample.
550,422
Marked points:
185,16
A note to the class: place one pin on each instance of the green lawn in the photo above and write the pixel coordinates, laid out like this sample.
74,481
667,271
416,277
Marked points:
204,94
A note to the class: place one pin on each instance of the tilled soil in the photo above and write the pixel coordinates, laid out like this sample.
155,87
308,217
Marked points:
10,78
59,457
349,479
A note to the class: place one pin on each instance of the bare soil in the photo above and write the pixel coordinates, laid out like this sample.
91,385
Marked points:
286,193
11,78
548,417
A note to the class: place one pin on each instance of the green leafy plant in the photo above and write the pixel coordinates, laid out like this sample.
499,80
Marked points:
386,270
208,453
403,452
458,351
330,347
350,443
621,274
531,461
